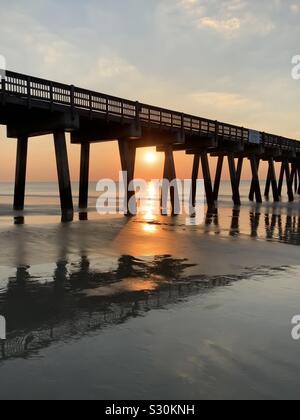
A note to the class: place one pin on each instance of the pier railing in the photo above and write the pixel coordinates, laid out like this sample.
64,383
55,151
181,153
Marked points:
36,89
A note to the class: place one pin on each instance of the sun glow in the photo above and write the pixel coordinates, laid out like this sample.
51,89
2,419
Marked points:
151,158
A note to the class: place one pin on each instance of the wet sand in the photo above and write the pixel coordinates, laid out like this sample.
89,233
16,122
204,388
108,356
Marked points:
117,308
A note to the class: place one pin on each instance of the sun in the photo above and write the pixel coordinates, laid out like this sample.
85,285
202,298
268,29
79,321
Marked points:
150,158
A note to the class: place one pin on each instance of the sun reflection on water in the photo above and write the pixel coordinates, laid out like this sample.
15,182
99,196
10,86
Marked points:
149,208
149,228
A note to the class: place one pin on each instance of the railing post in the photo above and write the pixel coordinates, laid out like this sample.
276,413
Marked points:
3,89
122,111
29,92
107,108
248,134
263,142
216,131
137,114
51,96
91,106
72,100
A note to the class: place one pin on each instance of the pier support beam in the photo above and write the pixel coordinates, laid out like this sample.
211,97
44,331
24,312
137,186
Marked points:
289,180
170,176
84,176
281,179
207,180
195,174
128,154
21,166
63,174
268,184
294,176
239,171
218,177
255,186
235,177
285,171
234,181
273,180
252,188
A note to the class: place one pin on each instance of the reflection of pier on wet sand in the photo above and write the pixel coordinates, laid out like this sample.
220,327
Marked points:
83,302
262,224
90,287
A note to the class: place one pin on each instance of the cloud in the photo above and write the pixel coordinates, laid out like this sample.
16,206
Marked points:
38,49
295,8
223,100
178,53
225,106
114,66
229,18
229,25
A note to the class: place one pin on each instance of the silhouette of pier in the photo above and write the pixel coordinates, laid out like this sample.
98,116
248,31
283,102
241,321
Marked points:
31,106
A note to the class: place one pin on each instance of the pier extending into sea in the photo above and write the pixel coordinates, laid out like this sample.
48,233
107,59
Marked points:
31,106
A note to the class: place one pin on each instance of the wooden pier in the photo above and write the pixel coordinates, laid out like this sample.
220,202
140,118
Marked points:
31,107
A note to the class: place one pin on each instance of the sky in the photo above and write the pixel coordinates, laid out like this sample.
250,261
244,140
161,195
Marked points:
223,59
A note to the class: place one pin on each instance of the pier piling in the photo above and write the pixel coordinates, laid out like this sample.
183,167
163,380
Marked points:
281,179
20,177
170,176
127,151
218,177
234,181
207,180
289,180
255,191
273,180
268,184
84,175
63,174
196,166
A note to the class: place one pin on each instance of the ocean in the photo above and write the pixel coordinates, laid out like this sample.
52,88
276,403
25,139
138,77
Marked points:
147,307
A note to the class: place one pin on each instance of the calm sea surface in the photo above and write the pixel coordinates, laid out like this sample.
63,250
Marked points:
149,308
